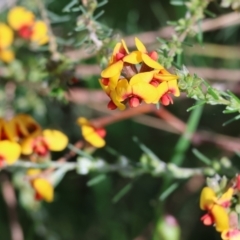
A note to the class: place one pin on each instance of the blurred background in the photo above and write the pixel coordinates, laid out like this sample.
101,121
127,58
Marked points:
124,208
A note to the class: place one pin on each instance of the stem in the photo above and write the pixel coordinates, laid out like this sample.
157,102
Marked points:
53,46
11,202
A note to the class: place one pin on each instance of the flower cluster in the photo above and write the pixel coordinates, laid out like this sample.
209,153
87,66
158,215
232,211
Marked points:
23,137
23,22
221,204
133,77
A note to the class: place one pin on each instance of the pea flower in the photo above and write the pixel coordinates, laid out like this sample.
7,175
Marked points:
216,207
41,143
23,21
9,152
94,136
43,188
6,39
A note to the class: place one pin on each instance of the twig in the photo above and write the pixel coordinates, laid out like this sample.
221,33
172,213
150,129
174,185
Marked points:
53,47
11,202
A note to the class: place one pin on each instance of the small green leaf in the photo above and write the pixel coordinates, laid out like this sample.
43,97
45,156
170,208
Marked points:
209,13
201,157
168,191
231,120
200,103
96,180
122,192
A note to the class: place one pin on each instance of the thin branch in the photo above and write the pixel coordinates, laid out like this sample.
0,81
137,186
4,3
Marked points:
11,202
53,46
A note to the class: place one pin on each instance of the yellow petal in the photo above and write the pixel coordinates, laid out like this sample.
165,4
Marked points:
20,16
27,145
89,133
165,77
116,101
151,63
44,189
6,55
6,36
56,140
221,218
162,89
142,77
145,91
226,197
40,33
123,89
9,130
112,70
92,137
140,46
9,151
113,81
134,57
124,46
173,88
207,198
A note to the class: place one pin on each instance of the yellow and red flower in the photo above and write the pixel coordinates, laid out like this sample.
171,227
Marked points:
23,21
6,40
216,207
94,136
137,77
43,188
41,143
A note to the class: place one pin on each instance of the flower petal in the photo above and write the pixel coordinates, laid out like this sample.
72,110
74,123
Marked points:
221,218
113,81
225,199
145,91
19,17
123,89
140,46
142,77
40,33
89,133
150,62
162,89
56,140
134,57
112,70
116,101
44,188
165,77
207,198
9,130
173,88
10,151
124,46
6,36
